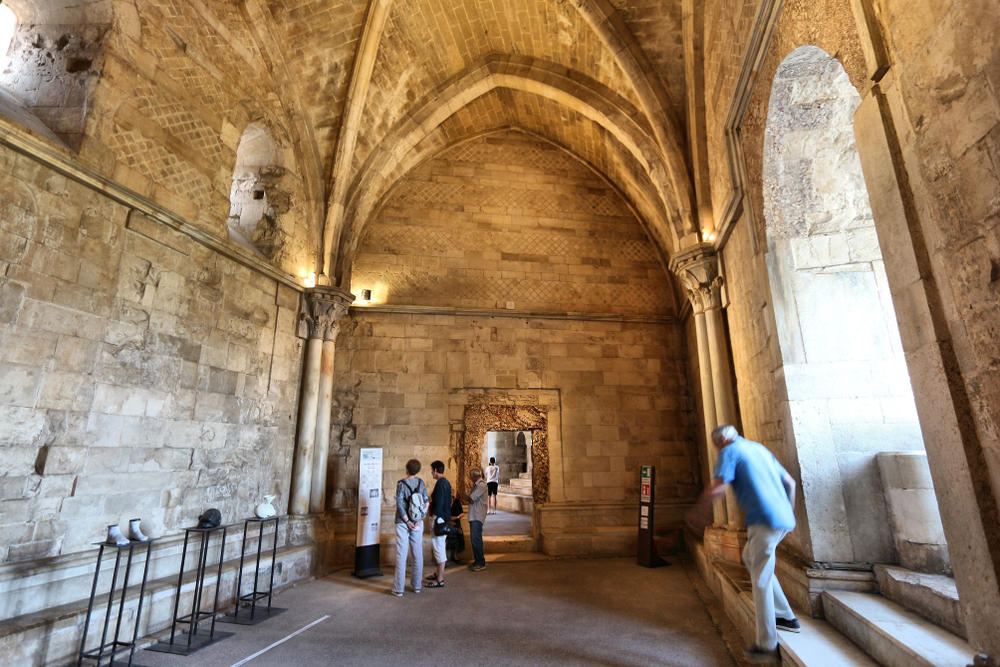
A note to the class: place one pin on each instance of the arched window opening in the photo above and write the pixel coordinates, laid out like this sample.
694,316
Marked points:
850,403
8,24
50,58
257,197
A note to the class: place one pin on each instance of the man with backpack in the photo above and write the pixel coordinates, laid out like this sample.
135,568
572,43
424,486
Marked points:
411,508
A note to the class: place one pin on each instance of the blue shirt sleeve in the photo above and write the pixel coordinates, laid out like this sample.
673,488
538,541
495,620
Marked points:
725,466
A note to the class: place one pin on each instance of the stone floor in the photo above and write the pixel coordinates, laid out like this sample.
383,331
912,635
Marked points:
541,612
506,524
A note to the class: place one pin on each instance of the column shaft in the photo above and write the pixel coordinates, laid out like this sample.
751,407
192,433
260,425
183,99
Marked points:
708,401
321,451
303,462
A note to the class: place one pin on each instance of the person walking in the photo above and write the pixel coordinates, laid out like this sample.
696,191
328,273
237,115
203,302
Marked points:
492,485
411,508
766,492
477,515
440,514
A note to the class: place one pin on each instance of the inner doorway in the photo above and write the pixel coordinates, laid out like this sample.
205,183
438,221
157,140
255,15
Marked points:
511,451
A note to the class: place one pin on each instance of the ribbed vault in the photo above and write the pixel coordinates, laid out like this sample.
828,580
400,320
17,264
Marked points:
570,72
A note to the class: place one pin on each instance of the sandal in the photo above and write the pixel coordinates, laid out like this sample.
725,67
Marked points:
434,584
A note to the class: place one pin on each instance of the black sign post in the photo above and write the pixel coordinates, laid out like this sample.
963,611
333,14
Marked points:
647,498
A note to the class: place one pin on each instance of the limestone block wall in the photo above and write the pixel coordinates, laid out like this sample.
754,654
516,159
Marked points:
511,222
622,389
141,374
948,78
157,99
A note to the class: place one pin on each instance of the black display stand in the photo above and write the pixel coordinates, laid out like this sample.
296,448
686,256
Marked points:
246,612
107,650
366,561
647,496
194,639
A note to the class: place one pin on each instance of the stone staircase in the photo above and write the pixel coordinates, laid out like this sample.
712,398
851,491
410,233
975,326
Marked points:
515,496
900,627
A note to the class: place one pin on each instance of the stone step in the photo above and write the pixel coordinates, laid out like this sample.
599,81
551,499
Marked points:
524,475
507,544
933,596
820,645
515,502
514,490
892,635
519,483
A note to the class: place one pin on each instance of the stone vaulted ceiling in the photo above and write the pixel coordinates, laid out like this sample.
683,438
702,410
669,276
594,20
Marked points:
387,84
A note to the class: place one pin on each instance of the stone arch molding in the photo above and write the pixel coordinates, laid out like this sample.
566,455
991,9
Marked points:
847,394
664,210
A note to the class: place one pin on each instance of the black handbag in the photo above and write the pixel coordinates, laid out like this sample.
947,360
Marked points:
444,529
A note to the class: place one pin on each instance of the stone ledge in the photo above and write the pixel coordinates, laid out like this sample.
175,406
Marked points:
933,596
52,636
68,578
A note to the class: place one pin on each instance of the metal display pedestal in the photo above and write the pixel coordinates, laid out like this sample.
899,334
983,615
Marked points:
107,650
193,638
246,612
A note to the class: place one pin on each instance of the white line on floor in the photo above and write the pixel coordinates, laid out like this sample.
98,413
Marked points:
279,642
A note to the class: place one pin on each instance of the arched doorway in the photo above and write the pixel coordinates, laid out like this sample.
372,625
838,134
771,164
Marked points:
849,410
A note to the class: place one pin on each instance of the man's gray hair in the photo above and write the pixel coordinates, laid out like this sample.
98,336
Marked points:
723,434
475,473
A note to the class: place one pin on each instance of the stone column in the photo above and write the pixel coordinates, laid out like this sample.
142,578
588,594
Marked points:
325,307
698,270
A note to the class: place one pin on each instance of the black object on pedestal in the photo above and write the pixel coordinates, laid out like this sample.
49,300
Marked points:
107,650
246,612
194,639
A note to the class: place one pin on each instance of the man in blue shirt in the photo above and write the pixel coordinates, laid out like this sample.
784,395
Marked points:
766,492
440,513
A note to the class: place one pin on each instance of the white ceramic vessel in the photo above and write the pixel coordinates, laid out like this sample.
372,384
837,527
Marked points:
265,510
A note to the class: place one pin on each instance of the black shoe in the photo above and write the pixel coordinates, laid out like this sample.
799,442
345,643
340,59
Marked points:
788,625
757,654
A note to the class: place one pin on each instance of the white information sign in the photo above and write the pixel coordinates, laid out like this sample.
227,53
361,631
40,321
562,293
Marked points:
369,496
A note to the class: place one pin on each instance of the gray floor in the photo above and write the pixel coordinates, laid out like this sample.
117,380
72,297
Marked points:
541,612
507,524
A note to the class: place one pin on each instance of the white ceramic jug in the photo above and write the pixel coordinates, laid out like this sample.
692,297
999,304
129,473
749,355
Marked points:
265,510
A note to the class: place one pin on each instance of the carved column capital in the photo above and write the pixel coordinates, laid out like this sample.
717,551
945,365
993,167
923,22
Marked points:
323,310
698,270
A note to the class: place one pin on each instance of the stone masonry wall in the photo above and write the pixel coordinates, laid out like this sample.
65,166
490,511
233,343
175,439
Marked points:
509,221
623,389
141,374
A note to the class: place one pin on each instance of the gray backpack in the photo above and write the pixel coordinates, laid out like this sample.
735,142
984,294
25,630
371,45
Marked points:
416,506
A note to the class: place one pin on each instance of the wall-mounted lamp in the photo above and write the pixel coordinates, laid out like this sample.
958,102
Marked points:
366,295
310,280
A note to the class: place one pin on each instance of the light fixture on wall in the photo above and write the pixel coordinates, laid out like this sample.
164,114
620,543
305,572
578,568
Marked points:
366,296
310,280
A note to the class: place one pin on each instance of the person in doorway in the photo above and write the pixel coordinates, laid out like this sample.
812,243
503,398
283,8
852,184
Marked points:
492,485
440,515
455,544
766,492
411,495
477,515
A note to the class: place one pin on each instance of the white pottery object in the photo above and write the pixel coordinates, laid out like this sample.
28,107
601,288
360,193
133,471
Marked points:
265,510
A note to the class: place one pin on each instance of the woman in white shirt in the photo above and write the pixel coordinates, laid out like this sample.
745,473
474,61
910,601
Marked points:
492,484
